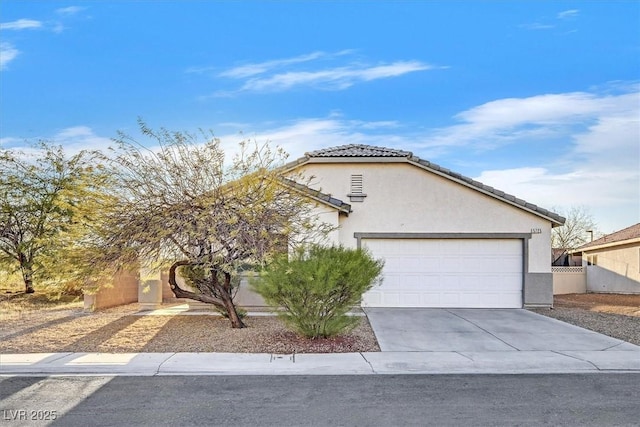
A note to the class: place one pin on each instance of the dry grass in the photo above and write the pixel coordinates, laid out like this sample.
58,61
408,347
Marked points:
17,304
627,305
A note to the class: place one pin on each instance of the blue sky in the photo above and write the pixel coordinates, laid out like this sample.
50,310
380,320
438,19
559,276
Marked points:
540,99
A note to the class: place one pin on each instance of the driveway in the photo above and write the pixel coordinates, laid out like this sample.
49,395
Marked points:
481,330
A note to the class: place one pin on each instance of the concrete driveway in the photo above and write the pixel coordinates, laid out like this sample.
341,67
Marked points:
481,330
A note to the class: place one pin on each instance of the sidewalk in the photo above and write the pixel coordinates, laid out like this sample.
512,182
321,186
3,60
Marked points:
563,348
626,358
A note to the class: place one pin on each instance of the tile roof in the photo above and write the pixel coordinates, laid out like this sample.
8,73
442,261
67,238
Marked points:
628,233
318,195
359,150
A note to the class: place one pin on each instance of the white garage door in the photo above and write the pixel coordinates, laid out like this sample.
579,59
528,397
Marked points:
475,273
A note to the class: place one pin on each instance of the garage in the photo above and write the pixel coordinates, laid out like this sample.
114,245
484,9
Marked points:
462,273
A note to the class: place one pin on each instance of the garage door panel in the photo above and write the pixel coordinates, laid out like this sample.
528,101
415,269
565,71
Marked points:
448,299
409,299
411,281
447,273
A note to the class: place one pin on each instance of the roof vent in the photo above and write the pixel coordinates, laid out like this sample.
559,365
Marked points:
356,194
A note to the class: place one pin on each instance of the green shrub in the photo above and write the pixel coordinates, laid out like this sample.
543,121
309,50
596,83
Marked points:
317,286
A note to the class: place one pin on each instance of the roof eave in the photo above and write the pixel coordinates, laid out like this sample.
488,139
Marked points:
311,194
607,245
489,191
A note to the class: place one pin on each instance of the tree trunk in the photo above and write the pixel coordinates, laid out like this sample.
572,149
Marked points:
225,302
27,277
234,318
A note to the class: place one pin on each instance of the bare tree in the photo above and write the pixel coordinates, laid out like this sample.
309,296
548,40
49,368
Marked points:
182,205
575,231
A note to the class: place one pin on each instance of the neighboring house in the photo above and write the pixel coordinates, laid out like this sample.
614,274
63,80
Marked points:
447,240
613,262
562,258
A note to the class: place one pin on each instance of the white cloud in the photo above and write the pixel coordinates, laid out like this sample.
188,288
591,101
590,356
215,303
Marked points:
21,24
9,141
601,166
539,117
550,23
79,138
300,136
303,70
332,79
71,10
249,70
7,54
610,194
537,26
58,27
566,14
72,139
253,69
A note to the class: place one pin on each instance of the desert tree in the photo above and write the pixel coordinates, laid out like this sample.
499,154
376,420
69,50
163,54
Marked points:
47,201
575,231
183,205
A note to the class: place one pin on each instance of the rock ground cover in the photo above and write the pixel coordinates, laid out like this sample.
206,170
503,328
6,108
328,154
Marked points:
611,314
120,330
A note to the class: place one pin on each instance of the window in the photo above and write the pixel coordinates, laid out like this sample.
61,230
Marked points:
357,186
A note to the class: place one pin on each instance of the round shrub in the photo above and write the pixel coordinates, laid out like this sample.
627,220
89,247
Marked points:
315,287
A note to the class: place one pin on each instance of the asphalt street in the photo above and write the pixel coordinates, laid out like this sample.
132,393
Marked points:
565,399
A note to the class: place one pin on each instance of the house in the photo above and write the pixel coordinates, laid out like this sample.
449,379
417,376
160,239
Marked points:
613,262
447,240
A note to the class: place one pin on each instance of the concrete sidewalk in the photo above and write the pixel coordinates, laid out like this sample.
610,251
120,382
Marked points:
623,358
413,341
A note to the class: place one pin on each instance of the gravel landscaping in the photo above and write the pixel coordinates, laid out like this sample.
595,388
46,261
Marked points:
120,330
615,315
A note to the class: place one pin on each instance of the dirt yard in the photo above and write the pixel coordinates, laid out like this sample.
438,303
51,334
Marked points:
66,328
627,305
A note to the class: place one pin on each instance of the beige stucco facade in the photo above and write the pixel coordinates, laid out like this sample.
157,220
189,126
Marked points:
613,268
404,198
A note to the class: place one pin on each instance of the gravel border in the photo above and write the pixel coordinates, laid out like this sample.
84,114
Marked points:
123,330
626,328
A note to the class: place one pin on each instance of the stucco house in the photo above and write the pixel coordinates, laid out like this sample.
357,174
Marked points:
447,240
613,262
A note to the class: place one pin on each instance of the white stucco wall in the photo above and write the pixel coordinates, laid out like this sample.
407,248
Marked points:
330,216
404,198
